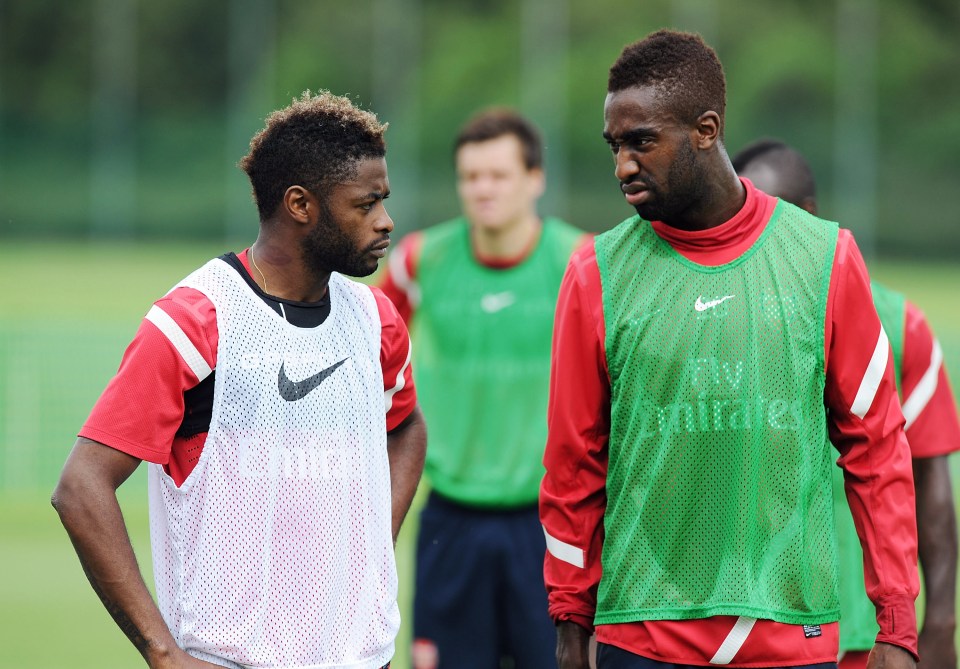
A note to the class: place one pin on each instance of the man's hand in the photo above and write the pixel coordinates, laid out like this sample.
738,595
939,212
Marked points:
573,644
406,450
888,656
937,649
175,658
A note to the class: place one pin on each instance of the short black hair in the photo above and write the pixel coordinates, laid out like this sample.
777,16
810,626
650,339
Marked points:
314,142
495,122
795,175
681,66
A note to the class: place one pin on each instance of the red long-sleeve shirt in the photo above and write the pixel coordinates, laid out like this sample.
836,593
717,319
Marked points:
933,426
866,426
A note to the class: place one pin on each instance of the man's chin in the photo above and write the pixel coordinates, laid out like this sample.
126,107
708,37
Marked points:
488,223
647,213
359,271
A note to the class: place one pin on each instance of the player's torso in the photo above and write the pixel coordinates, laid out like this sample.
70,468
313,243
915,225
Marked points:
482,354
718,446
286,516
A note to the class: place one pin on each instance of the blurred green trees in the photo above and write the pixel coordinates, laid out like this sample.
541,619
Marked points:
121,118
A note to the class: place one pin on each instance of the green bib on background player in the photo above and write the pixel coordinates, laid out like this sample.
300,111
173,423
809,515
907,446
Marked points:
858,617
719,482
482,359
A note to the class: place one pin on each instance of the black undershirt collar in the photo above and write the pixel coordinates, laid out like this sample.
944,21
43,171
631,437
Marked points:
300,314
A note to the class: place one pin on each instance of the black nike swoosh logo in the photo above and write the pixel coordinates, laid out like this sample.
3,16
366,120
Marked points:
297,390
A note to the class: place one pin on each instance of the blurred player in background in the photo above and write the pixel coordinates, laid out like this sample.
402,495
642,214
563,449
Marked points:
274,399
932,428
701,350
479,294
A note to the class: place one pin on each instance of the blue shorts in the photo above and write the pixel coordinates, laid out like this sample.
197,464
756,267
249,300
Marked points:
479,594
612,657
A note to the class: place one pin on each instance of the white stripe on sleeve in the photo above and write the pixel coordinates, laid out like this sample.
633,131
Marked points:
399,383
397,266
734,641
564,551
872,377
914,405
180,341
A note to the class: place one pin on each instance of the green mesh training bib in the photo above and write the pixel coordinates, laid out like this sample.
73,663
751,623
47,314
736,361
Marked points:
481,342
719,482
858,617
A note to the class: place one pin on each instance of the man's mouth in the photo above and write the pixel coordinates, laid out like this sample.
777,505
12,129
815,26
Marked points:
380,248
635,192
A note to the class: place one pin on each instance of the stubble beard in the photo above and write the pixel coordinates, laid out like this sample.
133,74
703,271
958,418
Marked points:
327,250
685,185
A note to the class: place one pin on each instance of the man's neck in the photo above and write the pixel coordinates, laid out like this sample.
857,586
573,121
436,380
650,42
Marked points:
283,275
511,242
724,197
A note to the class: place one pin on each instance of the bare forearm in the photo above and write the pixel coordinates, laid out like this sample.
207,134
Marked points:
573,646
937,535
86,500
406,450
937,546
886,656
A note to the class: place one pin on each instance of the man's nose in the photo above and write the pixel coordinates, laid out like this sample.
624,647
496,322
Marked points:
384,223
626,165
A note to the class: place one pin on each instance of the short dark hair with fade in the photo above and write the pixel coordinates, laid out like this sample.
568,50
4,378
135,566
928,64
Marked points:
315,142
795,175
495,122
681,66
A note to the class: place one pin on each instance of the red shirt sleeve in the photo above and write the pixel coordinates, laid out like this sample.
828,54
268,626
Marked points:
866,426
929,407
572,494
142,407
399,393
399,282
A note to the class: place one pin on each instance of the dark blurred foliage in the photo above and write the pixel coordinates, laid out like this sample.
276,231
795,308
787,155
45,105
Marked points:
206,74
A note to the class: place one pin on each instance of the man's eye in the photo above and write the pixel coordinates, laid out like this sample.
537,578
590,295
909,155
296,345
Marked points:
368,206
614,147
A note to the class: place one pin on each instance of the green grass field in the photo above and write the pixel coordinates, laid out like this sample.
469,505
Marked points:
65,317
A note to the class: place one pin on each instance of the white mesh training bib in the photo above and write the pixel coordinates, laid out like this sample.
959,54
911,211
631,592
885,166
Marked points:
277,549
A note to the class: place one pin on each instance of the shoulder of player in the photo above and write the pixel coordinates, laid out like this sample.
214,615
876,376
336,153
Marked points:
386,309
846,248
404,259
570,236
187,318
439,235
188,307
584,257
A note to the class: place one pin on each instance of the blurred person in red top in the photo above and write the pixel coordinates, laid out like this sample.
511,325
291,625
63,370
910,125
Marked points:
478,293
932,428
704,351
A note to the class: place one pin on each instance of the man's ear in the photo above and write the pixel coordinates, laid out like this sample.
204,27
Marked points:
538,182
708,129
298,201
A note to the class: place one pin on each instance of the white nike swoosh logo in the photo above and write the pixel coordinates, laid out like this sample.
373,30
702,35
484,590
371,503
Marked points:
494,302
700,305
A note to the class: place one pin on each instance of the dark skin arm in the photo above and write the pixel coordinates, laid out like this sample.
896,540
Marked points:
406,450
85,498
573,646
888,656
937,536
